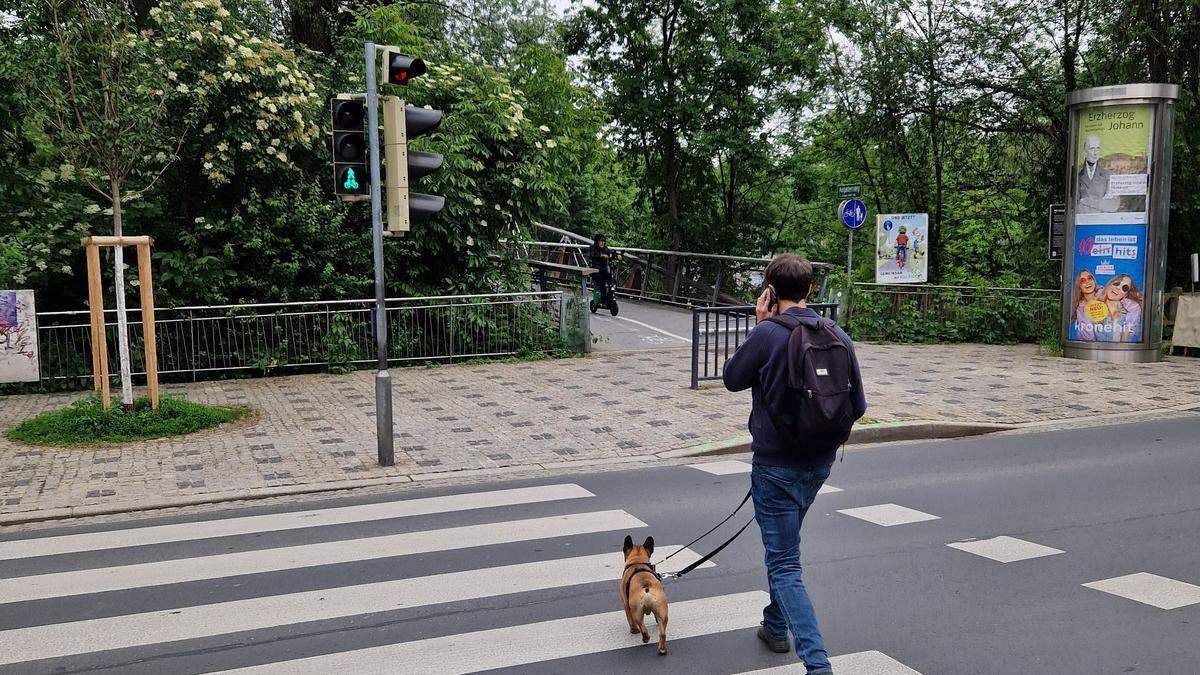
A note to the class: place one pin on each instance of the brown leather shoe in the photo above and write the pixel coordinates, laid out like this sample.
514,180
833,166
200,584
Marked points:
777,646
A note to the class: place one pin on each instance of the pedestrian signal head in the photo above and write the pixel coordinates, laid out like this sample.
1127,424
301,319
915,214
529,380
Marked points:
349,147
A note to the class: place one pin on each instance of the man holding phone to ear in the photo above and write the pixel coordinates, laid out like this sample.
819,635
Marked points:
788,469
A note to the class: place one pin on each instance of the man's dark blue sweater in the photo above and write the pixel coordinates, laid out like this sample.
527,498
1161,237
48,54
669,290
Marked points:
760,363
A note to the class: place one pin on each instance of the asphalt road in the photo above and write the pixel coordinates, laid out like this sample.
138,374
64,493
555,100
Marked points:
488,578
642,325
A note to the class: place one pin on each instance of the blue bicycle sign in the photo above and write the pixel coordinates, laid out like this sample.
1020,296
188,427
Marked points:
853,213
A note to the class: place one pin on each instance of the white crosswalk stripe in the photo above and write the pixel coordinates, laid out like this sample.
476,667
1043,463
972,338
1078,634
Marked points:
529,643
732,466
889,515
1150,589
858,663
1005,549
61,584
275,522
65,639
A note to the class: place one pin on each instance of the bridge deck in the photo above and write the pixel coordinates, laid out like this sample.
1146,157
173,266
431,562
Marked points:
642,325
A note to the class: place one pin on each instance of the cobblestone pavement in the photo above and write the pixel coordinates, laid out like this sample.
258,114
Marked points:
478,420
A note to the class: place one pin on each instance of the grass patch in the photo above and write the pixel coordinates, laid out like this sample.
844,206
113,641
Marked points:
86,422
1050,346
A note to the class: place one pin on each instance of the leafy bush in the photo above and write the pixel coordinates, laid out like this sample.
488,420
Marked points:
341,351
948,315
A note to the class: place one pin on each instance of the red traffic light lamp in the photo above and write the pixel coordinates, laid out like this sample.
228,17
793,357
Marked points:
402,68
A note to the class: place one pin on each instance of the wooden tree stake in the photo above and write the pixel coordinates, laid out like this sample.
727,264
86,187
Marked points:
96,300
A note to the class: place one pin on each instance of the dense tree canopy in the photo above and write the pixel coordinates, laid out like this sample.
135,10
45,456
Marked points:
707,125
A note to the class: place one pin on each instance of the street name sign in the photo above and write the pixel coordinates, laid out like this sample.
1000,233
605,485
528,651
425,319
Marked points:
849,190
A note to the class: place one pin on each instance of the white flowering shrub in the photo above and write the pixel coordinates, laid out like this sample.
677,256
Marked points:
251,97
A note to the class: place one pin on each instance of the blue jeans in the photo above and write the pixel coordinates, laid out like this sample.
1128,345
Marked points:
781,498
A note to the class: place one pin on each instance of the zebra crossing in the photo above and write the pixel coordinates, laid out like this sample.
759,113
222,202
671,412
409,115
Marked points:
520,579
194,596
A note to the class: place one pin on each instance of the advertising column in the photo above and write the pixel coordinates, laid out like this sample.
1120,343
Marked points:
1118,194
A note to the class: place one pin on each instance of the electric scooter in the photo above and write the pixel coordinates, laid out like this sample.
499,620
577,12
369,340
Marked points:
606,297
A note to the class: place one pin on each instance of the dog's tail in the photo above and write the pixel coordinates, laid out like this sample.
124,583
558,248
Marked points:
646,602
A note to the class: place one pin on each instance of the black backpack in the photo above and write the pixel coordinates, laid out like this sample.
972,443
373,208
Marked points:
817,407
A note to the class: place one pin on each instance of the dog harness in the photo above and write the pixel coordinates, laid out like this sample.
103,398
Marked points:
639,568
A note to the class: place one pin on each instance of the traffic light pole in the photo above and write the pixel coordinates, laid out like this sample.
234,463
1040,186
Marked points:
383,379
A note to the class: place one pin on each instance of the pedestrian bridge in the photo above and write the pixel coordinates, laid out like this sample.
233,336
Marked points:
658,290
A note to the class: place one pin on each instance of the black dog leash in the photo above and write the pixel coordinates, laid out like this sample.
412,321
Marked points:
701,561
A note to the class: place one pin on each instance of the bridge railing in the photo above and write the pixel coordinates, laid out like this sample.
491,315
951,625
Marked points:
204,341
670,277
717,332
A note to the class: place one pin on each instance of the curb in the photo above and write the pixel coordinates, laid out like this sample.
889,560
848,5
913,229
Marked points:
249,494
873,433
886,432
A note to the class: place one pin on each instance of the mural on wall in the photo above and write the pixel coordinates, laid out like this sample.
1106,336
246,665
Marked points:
18,337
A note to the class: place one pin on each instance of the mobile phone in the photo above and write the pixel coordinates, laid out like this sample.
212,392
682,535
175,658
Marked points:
772,299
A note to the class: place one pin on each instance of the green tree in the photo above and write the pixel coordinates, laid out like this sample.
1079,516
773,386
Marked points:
107,103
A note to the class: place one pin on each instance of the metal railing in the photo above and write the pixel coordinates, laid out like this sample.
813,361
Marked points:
671,277
717,332
265,337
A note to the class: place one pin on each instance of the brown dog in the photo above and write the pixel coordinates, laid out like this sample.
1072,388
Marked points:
642,591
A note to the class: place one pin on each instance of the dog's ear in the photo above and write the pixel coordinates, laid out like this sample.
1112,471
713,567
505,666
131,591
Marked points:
628,544
649,545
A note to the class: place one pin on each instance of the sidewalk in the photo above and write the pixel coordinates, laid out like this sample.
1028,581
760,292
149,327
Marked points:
312,431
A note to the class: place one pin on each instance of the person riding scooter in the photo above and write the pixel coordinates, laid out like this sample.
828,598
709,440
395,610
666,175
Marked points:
601,257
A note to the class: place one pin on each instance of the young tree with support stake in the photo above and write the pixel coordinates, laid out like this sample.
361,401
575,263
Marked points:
107,90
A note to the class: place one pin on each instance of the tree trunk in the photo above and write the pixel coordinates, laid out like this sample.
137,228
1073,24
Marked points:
935,145
672,194
311,24
119,282
671,142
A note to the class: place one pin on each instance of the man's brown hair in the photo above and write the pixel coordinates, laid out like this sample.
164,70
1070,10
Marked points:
791,276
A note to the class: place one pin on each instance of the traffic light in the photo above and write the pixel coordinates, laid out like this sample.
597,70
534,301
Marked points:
402,123
350,173
402,68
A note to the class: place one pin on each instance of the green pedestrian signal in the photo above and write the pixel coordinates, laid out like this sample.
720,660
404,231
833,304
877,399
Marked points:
349,147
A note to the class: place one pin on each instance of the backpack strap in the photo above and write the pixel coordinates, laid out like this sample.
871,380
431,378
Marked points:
792,322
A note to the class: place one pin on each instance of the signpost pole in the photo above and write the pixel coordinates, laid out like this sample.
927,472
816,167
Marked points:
849,273
852,213
383,379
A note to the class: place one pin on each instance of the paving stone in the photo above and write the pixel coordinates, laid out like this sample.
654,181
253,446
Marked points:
563,401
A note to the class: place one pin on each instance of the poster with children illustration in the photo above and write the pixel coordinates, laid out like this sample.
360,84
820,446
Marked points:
18,337
901,248
1109,278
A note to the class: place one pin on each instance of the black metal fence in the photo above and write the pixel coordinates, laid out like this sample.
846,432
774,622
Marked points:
202,342
717,332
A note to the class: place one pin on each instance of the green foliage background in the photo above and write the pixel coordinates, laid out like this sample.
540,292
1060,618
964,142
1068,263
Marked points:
707,125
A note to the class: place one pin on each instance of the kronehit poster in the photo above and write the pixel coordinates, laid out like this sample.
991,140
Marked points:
1109,282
